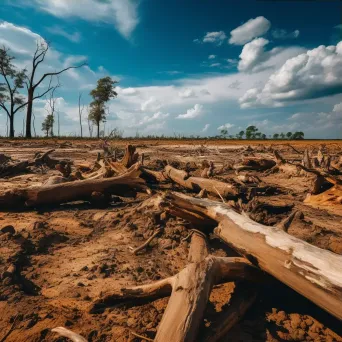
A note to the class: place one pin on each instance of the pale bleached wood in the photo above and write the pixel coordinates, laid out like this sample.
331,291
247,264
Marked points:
313,272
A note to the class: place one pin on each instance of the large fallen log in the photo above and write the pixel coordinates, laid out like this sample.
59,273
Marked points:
313,272
72,191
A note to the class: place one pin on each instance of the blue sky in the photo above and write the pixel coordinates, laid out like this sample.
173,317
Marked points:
188,67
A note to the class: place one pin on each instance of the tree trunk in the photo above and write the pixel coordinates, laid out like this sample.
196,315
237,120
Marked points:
72,191
29,113
11,119
313,272
98,130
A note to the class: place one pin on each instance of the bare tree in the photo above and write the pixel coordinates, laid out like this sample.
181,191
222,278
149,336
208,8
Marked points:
33,124
38,57
80,111
58,125
90,124
51,102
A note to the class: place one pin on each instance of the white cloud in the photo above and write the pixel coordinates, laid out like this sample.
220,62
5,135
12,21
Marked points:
151,104
205,128
128,91
213,37
232,61
283,34
214,65
19,39
187,93
253,54
314,74
212,57
122,13
204,92
225,126
59,31
170,72
192,112
320,120
156,116
251,29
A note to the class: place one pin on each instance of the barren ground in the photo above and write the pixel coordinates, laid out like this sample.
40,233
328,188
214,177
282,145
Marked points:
68,255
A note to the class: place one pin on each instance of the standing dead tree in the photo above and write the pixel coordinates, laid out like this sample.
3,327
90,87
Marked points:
42,49
80,112
51,105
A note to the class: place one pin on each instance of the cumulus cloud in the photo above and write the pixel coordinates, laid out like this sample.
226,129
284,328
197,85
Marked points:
187,93
123,14
192,112
151,104
205,128
212,57
314,74
283,34
216,38
321,120
253,54
128,91
251,29
156,116
59,31
225,126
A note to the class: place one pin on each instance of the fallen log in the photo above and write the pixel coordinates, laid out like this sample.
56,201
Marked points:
313,272
72,191
257,164
189,290
196,184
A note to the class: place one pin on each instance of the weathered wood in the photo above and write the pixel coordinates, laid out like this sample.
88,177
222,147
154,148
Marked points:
313,272
69,334
189,289
72,191
197,184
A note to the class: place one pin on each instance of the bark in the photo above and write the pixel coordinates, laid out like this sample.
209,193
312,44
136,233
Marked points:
313,272
196,184
29,112
258,164
72,191
11,120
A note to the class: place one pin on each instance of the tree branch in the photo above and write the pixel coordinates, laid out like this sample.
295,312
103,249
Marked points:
57,73
6,110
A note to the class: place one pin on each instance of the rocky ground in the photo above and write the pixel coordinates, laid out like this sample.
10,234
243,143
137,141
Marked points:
55,261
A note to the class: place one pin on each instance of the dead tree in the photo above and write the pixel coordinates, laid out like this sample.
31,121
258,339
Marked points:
51,102
80,112
38,57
